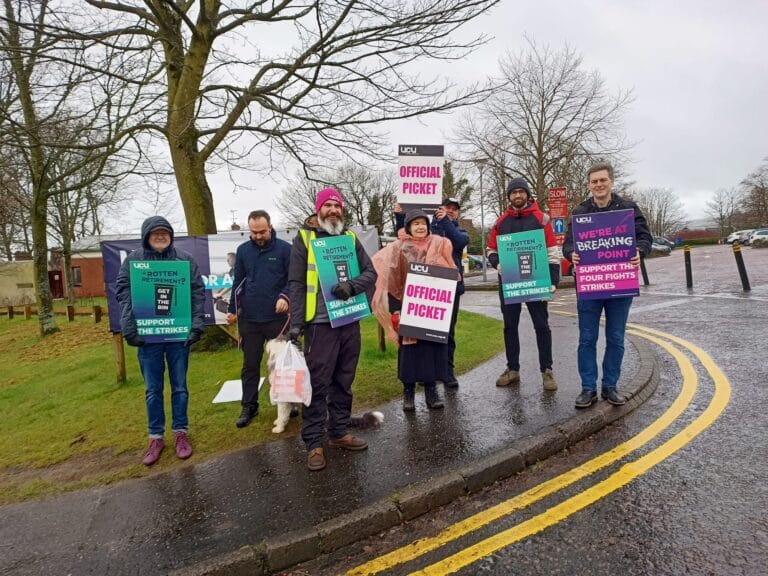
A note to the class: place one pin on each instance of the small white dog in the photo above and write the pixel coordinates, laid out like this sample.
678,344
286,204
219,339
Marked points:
286,409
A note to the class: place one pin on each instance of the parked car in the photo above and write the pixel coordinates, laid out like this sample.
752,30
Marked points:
658,249
759,238
738,237
664,242
476,262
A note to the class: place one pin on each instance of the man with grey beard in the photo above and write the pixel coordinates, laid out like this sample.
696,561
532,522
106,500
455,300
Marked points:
331,353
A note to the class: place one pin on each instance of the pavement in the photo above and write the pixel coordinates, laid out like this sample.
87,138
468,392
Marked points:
259,510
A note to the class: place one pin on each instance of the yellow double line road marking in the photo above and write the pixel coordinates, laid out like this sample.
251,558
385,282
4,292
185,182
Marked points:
557,513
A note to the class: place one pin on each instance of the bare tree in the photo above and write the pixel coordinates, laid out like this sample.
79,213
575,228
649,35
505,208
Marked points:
317,81
51,80
755,196
369,195
14,214
457,186
546,121
722,209
662,209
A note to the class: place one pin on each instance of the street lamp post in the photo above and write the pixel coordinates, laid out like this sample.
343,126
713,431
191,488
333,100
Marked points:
481,166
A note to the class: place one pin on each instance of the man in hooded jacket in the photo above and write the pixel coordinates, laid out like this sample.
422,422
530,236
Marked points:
157,244
523,214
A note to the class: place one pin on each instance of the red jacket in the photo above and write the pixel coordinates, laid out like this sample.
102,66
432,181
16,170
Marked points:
529,218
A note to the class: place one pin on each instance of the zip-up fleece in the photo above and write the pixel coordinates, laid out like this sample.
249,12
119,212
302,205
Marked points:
642,234
261,278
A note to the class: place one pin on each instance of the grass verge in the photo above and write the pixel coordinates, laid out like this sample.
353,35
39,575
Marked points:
65,423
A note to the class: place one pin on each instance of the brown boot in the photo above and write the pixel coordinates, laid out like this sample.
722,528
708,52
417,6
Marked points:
316,459
348,442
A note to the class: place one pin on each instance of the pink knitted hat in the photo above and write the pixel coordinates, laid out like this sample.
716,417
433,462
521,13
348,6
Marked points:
328,194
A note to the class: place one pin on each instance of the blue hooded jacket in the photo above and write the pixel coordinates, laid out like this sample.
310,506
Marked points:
146,252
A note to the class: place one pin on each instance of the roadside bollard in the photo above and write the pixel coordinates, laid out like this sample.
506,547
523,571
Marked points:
96,314
688,271
742,269
70,313
27,312
644,272
10,312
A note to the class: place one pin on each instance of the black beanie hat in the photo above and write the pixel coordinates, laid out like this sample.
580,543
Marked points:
516,183
414,214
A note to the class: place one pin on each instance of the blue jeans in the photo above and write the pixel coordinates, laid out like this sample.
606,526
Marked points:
152,359
616,313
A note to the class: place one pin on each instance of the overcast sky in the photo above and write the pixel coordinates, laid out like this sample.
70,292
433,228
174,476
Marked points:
698,69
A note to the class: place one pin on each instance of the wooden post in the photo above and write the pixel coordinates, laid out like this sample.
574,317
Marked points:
70,312
96,314
117,337
27,312
10,312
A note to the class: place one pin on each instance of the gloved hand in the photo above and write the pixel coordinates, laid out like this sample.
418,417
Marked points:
194,336
294,334
343,290
134,340
395,319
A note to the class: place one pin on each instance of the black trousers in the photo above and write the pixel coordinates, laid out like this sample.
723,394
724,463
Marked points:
452,338
331,355
540,318
254,335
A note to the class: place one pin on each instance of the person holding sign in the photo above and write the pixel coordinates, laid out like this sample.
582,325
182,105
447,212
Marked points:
331,352
600,183
418,360
445,223
171,276
259,302
522,215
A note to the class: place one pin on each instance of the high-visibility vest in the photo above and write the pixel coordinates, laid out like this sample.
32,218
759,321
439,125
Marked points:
313,283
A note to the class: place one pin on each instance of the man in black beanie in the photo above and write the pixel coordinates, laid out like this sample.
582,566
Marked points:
523,214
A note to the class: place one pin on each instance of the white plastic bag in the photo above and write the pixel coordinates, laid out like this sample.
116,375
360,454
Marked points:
289,381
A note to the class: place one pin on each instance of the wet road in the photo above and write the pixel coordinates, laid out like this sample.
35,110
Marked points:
700,509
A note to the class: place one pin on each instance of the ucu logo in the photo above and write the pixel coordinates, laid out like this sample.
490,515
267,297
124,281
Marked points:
420,268
408,150
141,265
583,219
320,243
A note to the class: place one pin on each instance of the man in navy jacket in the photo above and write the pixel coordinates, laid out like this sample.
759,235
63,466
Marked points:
259,302
603,199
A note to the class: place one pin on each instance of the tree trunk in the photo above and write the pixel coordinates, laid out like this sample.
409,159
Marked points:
189,168
67,271
45,316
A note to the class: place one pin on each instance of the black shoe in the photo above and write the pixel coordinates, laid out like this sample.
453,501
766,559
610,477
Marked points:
586,399
613,397
294,412
451,382
432,397
246,416
409,400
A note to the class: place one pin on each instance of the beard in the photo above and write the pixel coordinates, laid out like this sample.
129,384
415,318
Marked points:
334,229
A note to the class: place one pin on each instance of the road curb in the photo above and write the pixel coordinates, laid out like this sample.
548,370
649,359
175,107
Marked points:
278,553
